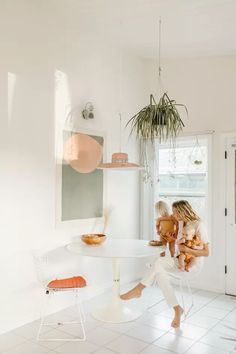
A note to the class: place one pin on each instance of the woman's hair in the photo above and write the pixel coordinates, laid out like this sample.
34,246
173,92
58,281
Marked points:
185,210
162,208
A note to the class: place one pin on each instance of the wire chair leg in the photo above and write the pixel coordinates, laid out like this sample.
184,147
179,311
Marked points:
81,316
81,321
43,314
79,307
182,295
82,310
191,297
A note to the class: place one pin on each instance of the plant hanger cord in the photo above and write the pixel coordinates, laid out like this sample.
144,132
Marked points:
121,73
196,156
120,132
160,83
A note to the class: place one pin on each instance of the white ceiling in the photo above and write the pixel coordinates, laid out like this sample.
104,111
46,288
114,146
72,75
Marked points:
190,28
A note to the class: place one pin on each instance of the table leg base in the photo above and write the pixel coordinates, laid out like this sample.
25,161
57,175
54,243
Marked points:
116,313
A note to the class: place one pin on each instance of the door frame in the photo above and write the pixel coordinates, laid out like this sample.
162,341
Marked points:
226,137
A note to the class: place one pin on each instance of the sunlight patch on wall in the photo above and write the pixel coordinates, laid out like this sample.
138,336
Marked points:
62,107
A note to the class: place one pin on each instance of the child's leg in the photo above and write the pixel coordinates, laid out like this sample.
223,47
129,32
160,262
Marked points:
172,248
192,261
181,259
163,242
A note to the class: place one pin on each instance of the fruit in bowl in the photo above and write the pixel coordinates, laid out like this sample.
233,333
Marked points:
93,239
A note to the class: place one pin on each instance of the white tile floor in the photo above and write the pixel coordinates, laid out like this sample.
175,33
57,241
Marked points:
210,329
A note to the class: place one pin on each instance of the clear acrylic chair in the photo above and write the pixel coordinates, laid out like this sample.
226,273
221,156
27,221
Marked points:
47,280
183,281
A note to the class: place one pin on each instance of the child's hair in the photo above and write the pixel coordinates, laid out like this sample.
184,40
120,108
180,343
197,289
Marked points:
188,228
185,210
162,209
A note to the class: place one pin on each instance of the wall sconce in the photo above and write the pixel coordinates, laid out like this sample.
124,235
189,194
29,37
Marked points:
87,112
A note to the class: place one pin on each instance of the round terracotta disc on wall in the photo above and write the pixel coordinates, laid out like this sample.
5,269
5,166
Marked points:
82,153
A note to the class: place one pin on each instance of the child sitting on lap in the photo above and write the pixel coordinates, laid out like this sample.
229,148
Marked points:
166,226
189,239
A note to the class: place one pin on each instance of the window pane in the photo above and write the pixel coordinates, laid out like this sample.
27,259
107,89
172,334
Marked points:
183,173
186,183
183,159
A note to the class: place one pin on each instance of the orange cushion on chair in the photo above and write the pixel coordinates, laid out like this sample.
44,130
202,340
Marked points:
74,282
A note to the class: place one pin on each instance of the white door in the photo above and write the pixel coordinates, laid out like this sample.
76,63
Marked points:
231,216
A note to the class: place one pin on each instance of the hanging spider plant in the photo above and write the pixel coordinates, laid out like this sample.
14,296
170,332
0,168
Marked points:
158,120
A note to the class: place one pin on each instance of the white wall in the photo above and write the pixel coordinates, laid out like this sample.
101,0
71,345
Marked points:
207,87
35,43
38,40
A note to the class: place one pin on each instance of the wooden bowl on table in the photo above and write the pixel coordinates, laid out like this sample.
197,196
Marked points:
93,239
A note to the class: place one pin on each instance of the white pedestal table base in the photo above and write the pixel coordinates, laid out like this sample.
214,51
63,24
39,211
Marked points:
118,310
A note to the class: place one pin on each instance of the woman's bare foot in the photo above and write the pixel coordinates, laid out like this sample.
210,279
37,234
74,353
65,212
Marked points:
135,292
178,313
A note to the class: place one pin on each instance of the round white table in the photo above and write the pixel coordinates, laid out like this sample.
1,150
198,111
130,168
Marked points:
117,310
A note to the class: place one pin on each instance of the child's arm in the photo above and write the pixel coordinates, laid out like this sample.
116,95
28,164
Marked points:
181,240
158,226
189,243
198,244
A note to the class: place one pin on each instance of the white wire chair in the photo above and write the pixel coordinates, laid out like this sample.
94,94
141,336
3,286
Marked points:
41,261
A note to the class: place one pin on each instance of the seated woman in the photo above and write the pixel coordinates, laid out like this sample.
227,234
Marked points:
182,212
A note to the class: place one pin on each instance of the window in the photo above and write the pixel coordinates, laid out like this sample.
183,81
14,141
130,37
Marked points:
183,173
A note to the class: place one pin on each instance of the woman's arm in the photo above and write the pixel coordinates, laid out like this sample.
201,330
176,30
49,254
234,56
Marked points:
197,253
197,247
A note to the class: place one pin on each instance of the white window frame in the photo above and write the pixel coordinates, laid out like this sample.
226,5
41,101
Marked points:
147,211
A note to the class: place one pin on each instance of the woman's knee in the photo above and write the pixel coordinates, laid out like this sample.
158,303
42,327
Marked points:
158,263
162,262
